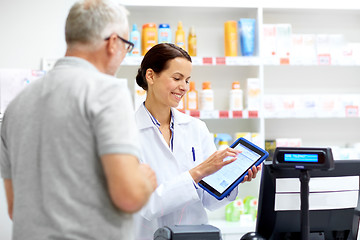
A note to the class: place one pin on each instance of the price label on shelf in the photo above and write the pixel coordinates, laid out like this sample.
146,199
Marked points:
237,114
223,114
253,114
220,61
207,60
324,59
352,111
194,113
284,61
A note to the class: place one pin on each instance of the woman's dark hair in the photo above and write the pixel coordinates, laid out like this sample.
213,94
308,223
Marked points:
157,58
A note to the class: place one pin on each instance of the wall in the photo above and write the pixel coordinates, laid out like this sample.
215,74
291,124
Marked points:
31,30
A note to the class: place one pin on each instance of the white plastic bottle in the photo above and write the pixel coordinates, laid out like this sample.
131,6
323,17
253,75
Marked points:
181,105
236,97
206,97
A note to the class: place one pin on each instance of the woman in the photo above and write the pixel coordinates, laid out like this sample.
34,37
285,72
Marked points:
179,148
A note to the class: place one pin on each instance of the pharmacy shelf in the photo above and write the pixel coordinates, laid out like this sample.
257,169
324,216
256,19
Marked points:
324,76
48,63
357,116
312,65
286,77
205,61
327,126
278,4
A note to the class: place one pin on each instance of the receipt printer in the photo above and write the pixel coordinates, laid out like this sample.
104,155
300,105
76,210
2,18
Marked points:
188,232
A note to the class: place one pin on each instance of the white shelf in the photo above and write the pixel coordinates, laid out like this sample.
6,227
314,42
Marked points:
280,4
205,61
287,77
313,118
48,63
313,65
223,114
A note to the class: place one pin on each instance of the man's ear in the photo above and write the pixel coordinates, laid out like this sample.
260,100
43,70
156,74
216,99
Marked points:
111,45
149,75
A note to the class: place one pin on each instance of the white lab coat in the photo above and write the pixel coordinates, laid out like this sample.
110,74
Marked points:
177,200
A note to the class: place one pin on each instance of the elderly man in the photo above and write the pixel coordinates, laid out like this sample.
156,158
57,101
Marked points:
69,152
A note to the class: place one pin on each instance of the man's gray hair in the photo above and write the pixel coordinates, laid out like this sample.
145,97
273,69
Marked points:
91,21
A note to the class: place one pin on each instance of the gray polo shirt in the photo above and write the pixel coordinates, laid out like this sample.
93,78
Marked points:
52,137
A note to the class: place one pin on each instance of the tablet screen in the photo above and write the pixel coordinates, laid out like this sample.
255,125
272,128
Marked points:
229,174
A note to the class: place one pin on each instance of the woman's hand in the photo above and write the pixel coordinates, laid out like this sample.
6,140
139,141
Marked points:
214,163
252,173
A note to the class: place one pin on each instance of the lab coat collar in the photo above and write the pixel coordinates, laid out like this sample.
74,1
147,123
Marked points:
143,120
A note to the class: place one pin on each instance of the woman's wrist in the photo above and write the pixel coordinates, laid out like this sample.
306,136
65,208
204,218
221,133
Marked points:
196,174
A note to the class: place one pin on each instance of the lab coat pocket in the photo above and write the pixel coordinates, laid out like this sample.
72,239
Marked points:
195,155
190,157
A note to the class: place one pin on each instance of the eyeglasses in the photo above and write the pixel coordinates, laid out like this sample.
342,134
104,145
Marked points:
129,46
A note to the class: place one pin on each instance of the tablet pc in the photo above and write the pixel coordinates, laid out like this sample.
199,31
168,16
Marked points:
222,182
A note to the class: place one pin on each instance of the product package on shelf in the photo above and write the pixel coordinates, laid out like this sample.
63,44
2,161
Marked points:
272,144
351,151
149,37
323,49
253,93
297,52
350,103
206,97
309,49
135,38
269,43
236,97
191,98
329,105
350,54
247,36
311,105
234,210
243,211
337,44
180,36
192,42
164,33
13,81
256,139
283,42
288,142
230,39
181,106
246,135
139,96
